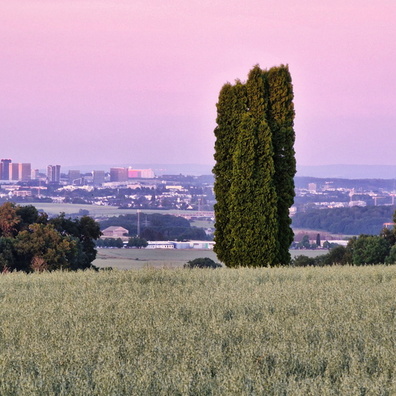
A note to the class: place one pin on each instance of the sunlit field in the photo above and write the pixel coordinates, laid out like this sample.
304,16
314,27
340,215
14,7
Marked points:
282,331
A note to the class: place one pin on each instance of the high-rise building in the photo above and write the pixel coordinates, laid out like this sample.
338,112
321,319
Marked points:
140,173
147,173
134,173
118,174
98,177
25,172
14,171
74,175
35,174
5,169
53,173
20,171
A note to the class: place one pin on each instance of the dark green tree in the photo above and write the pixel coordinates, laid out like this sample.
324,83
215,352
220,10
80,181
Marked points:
7,254
86,230
137,242
338,255
31,242
9,220
369,249
391,259
253,200
230,107
254,170
281,122
41,247
202,262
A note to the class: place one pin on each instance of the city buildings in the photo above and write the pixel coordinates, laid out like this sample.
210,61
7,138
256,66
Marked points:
98,177
5,169
15,171
123,174
74,176
118,174
53,173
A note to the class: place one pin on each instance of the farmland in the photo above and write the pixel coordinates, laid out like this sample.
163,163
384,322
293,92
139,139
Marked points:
159,258
140,258
318,331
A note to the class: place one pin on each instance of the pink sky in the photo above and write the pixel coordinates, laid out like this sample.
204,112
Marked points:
136,81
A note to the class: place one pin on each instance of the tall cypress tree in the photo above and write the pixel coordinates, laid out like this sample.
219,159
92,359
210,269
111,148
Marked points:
230,107
281,121
253,222
254,169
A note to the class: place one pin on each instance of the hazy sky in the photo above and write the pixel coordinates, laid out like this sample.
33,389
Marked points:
136,81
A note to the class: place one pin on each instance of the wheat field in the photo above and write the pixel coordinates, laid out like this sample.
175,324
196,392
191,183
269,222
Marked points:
280,331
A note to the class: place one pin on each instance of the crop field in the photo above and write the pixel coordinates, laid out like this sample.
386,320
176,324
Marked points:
280,331
140,258
160,258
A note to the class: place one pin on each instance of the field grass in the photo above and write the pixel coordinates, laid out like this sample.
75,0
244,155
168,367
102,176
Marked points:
140,258
281,331
159,258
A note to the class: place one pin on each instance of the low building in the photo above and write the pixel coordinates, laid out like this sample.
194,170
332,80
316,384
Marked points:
114,232
160,245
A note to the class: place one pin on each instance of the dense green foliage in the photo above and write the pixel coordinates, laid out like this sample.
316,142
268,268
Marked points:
281,331
254,170
137,242
348,221
110,242
281,120
365,249
29,241
202,262
230,108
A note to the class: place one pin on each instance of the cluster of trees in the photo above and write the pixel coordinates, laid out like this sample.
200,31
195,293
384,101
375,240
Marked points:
29,241
362,250
134,242
157,227
255,168
305,243
348,221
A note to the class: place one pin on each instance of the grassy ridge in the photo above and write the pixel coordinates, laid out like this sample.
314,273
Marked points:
286,331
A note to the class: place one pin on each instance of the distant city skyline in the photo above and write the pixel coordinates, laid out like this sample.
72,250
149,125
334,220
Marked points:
102,82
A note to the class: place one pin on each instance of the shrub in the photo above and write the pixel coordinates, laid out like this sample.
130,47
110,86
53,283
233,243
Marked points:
202,262
303,261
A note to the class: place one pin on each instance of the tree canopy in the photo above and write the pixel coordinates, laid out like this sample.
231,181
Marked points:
29,241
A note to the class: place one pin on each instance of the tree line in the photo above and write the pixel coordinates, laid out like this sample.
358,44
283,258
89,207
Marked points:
135,242
347,221
361,250
30,241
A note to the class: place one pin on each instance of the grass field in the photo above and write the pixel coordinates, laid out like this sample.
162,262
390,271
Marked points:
159,258
282,331
140,258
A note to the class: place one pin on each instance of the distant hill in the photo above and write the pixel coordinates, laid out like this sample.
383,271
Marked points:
349,171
